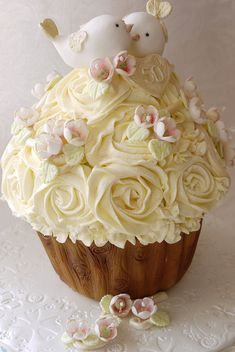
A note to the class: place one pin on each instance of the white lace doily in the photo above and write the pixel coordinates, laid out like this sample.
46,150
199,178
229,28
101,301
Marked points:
35,304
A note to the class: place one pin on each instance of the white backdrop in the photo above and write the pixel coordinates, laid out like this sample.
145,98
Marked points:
202,44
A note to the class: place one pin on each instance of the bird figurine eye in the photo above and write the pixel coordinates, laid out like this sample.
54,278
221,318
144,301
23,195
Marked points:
147,35
117,25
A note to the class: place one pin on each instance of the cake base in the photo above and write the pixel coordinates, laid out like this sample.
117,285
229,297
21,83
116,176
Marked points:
138,270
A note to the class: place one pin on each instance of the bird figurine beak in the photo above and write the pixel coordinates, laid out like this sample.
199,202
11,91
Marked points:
129,27
135,37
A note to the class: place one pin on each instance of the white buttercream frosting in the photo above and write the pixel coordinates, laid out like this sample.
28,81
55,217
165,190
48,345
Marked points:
81,167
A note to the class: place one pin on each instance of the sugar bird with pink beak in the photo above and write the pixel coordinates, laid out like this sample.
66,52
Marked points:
103,36
149,34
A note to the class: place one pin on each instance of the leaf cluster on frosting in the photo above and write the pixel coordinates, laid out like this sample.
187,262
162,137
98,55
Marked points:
117,166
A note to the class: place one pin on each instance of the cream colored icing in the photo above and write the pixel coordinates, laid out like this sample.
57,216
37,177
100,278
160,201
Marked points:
118,191
73,97
126,198
18,180
62,204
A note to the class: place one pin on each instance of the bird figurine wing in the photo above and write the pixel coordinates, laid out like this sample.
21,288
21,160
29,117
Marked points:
152,74
77,40
68,47
50,28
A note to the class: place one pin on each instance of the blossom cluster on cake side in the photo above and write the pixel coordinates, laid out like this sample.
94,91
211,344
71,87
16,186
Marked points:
98,158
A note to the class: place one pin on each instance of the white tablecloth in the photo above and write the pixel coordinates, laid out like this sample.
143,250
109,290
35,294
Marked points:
35,304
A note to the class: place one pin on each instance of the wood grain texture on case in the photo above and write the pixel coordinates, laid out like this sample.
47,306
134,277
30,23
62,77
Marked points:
138,270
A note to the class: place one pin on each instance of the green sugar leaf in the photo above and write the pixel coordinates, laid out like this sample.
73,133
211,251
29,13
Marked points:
160,149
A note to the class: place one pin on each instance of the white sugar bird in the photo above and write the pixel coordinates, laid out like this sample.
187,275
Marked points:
149,33
103,36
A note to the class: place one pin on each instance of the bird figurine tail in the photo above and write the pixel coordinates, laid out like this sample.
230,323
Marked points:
50,28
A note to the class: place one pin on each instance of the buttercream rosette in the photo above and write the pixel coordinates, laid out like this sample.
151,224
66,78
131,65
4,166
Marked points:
110,162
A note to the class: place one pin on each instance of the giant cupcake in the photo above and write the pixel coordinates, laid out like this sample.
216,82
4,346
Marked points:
117,163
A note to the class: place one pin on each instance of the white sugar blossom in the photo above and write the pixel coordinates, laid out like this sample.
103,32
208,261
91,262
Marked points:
26,117
197,111
51,76
222,131
190,88
48,145
38,91
229,153
213,114
55,127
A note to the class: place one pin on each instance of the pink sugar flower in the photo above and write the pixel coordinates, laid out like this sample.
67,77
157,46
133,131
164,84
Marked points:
144,308
76,132
102,70
78,330
146,117
125,64
120,305
166,130
106,328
